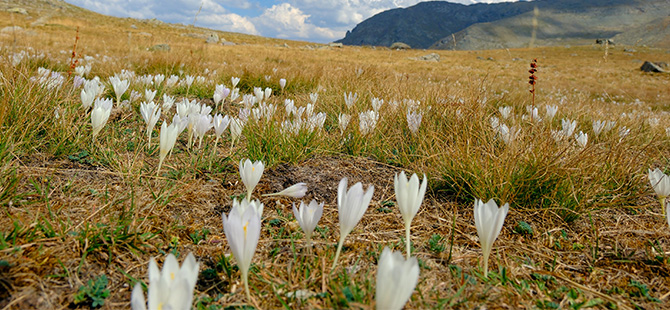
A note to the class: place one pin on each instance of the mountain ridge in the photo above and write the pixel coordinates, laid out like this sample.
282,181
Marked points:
505,25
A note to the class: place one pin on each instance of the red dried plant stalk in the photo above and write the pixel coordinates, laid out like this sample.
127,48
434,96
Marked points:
532,79
73,59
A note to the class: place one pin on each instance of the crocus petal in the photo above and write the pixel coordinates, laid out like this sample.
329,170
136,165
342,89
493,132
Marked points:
137,298
396,280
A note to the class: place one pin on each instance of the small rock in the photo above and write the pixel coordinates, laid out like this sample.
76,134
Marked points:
213,38
333,44
658,67
629,50
430,57
18,10
517,59
145,34
155,21
227,43
400,46
11,29
300,294
133,26
160,48
605,41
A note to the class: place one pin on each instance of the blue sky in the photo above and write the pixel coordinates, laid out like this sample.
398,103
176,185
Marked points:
307,20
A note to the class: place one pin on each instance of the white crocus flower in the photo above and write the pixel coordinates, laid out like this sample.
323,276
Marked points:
343,122
367,121
171,81
413,121
220,124
268,93
313,97
489,221
220,93
551,111
661,184
258,92
236,127
168,137
244,204
532,114
505,112
168,102
508,134
150,113
623,132
377,104
251,173
396,280
202,126
100,114
598,127
170,288
568,127
308,216
351,205
243,229
120,87
282,83
234,94
87,97
297,190
495,122
582,138
149,95
158,79
409,195
234,81
350,99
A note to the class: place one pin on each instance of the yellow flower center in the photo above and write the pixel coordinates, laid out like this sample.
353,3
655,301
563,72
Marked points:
171,275
245,229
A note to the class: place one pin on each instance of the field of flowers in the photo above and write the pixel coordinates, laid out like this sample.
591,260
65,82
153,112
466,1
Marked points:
301,176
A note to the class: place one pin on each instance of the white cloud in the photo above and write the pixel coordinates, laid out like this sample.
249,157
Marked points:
289,22
228,22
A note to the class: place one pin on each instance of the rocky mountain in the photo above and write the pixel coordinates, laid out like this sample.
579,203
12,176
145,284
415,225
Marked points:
438,24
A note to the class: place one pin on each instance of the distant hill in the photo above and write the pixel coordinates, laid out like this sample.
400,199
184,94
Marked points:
640,35
483,26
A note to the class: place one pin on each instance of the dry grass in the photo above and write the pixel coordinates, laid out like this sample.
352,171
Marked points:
76,209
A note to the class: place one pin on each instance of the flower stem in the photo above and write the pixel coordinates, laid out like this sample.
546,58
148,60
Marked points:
309,244
245,279
407,241
216,141
662,200
486,263
337,254
160,163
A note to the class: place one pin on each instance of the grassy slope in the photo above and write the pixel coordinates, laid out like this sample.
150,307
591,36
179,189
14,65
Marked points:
76,209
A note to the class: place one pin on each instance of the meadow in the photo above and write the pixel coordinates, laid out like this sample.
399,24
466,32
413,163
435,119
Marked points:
83,214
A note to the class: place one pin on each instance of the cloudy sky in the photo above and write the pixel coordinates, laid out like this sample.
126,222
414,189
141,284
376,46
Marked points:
307,20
